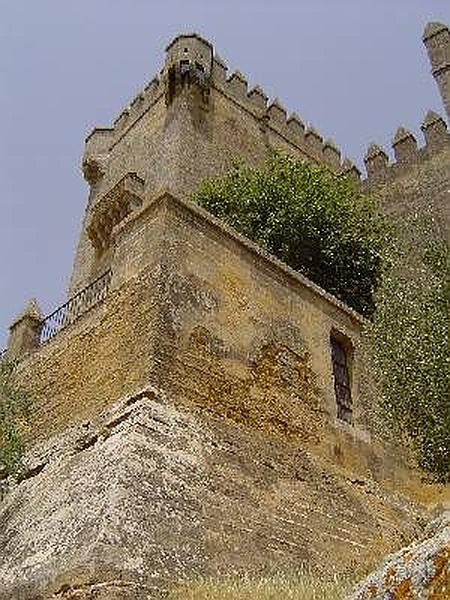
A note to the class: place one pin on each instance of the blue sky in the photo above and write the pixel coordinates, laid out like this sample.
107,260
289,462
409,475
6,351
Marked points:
355,69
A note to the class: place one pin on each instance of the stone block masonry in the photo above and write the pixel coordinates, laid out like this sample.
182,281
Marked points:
187,291
231,459
186,423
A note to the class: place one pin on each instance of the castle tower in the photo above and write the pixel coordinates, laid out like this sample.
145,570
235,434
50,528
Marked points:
436,38
199,408
189,123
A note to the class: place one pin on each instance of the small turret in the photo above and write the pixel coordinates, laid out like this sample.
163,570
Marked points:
24,330
404,145
436,38
189,60
190,49
434,130
377,162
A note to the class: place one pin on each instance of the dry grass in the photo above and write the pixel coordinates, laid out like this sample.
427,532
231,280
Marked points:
302,587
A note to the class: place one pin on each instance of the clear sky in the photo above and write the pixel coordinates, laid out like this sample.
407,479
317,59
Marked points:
355,69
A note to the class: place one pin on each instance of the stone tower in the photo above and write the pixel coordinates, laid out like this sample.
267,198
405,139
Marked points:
436,38
187,124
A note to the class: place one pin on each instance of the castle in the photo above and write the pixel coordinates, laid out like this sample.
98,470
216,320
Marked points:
200,407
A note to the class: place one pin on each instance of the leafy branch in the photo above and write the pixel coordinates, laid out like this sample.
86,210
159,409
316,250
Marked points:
15,404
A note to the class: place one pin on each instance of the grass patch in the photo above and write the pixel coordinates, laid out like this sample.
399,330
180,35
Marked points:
301,587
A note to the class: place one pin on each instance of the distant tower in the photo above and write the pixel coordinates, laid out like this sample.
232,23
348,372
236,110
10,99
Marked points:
436,38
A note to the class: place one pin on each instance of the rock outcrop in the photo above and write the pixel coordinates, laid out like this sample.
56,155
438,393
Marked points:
417,572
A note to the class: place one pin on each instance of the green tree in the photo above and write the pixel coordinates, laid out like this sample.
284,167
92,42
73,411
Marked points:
14,405
410,335
316,222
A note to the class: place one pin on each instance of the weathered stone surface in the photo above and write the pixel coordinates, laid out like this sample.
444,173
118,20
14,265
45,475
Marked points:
418,572
147,494
232,459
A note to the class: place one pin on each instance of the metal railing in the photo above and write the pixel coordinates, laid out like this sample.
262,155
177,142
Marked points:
75,307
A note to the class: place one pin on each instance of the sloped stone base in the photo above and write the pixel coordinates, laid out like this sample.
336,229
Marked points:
146,494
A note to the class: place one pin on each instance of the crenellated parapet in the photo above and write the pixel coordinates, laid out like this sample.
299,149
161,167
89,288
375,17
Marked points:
191,62
101,139
274,115
407,151
144,100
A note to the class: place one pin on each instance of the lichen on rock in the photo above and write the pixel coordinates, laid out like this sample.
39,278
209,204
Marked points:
419,571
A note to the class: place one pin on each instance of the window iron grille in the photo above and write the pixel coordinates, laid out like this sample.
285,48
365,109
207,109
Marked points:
342,386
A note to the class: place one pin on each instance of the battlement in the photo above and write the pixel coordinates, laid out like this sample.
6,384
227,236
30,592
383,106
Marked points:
100,139
192,120
190,53
275,116
407,151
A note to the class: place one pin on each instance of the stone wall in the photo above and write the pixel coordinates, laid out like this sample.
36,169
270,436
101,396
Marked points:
231,459
221,326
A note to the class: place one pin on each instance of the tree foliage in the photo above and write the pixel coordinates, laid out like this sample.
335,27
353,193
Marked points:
316,222
14,405
410,334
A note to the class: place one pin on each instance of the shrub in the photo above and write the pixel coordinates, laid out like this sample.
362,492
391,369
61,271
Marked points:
316,222
14,404
410,336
